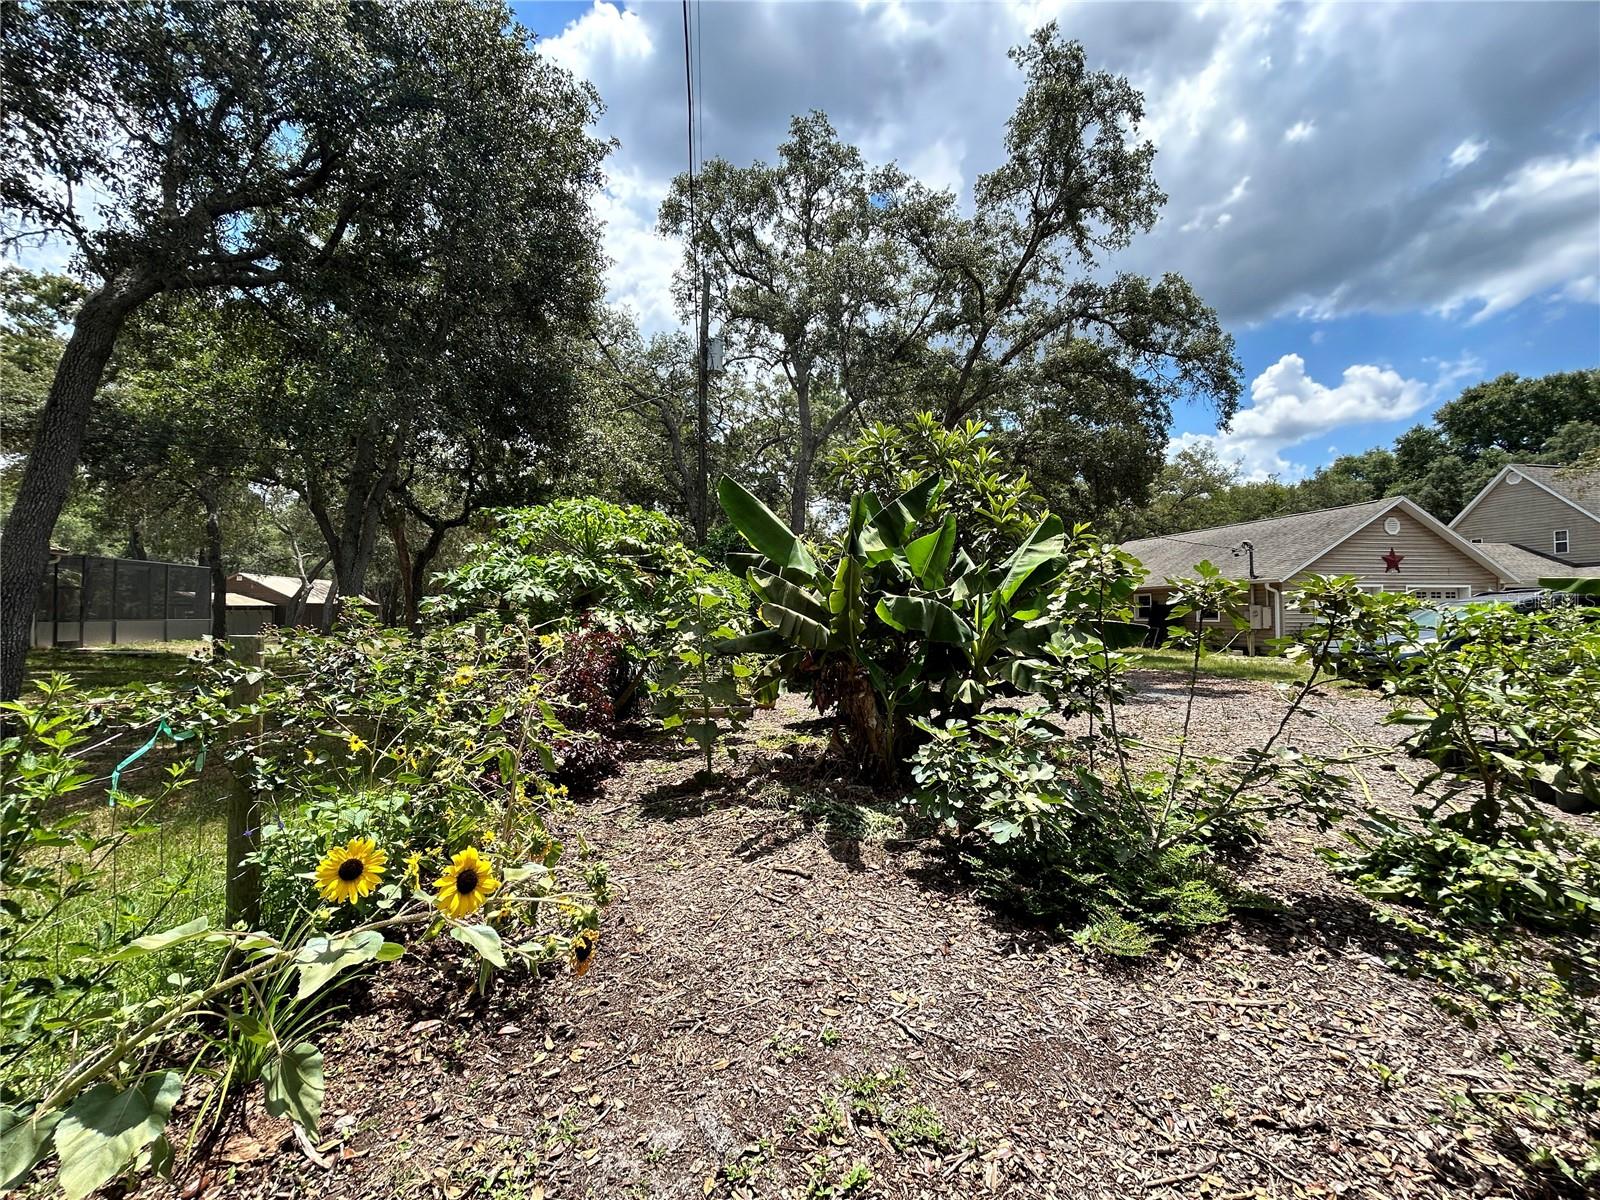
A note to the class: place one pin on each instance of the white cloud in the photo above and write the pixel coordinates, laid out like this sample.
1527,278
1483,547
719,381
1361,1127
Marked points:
642,260
1287,408
1370,210
1467,153
604,38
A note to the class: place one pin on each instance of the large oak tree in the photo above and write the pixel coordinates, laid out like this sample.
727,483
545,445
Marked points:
328,149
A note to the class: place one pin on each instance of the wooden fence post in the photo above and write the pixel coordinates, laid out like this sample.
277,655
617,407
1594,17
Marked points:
242,895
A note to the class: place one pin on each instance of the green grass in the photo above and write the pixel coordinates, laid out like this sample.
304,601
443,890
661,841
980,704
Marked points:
101,669
1220,666
152,881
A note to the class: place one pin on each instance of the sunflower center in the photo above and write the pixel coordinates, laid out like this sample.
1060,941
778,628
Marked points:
352,869
466,881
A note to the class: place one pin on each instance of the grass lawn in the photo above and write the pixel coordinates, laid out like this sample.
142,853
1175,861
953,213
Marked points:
154,881
101,669
1222,666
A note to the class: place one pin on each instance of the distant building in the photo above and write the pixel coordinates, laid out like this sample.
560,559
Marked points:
1389,545
90,600
255,600
1536,520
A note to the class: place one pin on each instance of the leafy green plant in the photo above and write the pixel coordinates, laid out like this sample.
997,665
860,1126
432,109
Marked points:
902,624
361,736
994,506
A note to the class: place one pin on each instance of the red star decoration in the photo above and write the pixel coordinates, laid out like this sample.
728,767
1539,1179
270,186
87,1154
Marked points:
1391,561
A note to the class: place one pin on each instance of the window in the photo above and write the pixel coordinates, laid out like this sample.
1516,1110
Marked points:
1446,592
1210,614
1561,541
1145,600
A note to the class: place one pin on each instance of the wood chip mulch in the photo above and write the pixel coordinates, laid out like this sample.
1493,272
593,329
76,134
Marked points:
792,998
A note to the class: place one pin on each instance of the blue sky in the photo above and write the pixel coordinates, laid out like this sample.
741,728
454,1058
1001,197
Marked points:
1386,203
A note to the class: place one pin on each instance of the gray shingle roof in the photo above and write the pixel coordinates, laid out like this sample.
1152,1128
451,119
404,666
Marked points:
1282,544
1581,487
1523,566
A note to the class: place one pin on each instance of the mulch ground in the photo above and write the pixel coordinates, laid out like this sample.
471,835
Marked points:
794,999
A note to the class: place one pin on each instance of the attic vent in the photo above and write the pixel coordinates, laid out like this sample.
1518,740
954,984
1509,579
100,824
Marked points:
1392,526
1513,478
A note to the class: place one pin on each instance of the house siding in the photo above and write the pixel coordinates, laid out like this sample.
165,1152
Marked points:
1427,560
1526,515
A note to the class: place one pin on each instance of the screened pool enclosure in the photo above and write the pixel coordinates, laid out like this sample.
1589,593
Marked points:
86,600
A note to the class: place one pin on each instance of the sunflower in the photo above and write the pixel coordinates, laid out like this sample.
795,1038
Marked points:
466,883
582,948
350,872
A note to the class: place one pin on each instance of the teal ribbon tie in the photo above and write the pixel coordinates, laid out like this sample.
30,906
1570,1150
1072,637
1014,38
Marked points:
161,729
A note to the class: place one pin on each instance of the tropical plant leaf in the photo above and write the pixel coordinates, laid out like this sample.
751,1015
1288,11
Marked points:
763,641
485,939
936,621
295,1086
1042,547
105,1130
23,1138
799,614
929,555
886,531
322,958
151,942
761,527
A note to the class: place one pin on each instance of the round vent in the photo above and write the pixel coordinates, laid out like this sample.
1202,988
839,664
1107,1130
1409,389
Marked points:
1513,478
1391,526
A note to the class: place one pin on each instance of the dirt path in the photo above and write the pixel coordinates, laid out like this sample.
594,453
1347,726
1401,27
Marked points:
790,996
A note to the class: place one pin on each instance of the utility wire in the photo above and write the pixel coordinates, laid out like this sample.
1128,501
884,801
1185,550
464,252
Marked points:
688,87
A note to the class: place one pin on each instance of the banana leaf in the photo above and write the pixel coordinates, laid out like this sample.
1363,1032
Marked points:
885,533
936,621
929,555
762,528
800,614
1036,561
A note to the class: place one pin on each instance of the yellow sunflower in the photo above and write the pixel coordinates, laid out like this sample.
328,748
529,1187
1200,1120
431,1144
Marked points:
582,949
350,872
466,883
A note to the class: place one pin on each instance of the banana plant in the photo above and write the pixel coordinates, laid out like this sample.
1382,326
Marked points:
899,624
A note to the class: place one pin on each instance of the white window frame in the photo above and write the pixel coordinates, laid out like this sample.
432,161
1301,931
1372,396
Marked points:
1144,601
1463,591
1561,541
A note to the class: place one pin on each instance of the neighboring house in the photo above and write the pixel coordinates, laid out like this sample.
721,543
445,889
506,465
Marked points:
1389,545
1550,512
255,600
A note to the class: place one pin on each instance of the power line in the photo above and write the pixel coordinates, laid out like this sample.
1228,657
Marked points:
688,87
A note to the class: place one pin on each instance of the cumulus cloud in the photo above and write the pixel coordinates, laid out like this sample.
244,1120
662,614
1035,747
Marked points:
1347,121
1287,407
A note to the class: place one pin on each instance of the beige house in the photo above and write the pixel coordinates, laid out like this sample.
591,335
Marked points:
255,600
1389,545
1536,521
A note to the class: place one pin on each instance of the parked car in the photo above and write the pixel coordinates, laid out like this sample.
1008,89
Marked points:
1370,663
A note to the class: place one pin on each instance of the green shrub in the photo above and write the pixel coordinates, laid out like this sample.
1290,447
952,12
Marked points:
902,625
1541,872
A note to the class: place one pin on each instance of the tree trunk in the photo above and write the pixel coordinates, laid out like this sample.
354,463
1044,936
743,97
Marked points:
52,462
403,567
136,550
219,575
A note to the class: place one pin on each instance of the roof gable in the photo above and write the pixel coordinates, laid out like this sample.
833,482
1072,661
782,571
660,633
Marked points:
1576,488
1283,546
